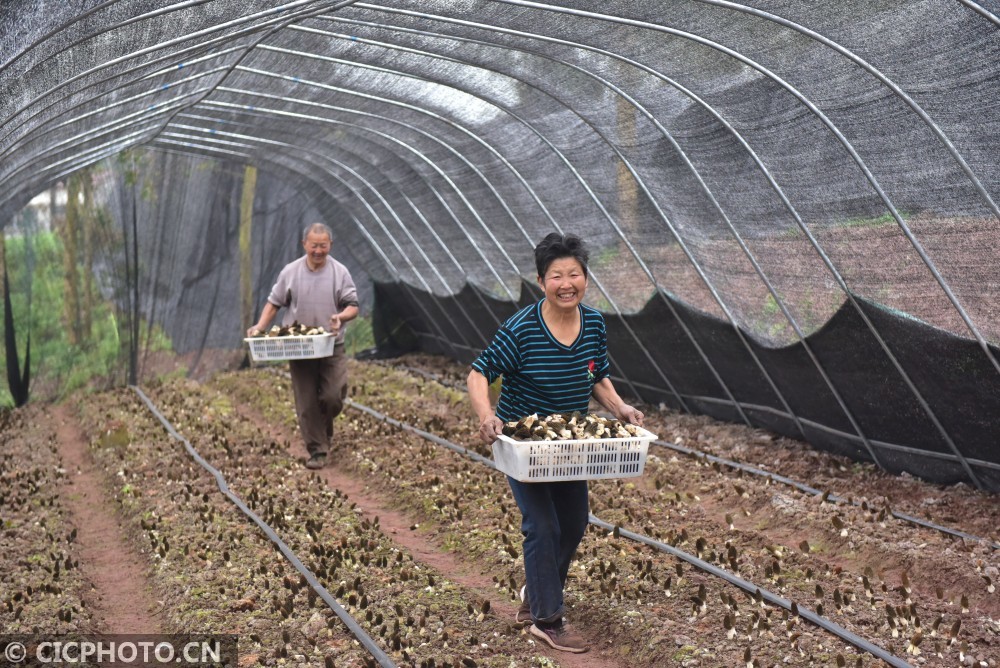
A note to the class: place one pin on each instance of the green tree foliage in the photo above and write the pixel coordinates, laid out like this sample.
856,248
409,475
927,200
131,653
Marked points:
69,232
60,362
359,336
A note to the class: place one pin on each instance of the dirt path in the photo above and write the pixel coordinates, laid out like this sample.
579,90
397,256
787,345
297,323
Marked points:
119,599
399,527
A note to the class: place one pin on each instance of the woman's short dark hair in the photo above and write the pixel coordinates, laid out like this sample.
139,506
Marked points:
555,246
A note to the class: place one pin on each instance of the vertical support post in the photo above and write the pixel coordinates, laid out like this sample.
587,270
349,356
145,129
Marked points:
246,224
71,283
133,362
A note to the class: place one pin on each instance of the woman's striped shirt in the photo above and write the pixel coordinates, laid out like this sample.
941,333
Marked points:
541,375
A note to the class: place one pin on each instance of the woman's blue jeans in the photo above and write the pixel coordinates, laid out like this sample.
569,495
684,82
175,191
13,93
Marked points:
553,520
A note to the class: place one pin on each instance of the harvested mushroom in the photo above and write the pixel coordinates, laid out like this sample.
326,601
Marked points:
557,427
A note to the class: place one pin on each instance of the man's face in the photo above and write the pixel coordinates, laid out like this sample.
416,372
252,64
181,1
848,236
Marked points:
317,247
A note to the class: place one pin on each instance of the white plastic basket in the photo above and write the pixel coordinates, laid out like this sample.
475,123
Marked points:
583,459
269,348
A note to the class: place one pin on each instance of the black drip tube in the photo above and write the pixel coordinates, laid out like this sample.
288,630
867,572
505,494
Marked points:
380,656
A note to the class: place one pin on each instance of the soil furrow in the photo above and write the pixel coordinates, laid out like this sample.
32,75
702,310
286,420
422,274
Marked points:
120,600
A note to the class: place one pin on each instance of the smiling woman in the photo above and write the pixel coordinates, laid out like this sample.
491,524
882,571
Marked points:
553,357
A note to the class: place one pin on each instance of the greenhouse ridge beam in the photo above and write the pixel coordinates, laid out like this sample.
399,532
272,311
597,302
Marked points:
113,129
33,103
104,5
34,135
101,110
268,33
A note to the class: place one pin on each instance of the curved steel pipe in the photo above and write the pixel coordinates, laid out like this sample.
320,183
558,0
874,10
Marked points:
947,438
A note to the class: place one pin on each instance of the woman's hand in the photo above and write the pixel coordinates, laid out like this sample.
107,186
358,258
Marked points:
490,428
606,395
631,414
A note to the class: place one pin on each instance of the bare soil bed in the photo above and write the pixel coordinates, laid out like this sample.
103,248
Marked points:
422,544
41,587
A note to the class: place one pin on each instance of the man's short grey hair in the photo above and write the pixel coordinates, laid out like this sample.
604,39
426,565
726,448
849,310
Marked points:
320,228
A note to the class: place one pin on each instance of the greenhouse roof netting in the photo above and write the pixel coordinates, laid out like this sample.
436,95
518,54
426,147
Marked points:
791,208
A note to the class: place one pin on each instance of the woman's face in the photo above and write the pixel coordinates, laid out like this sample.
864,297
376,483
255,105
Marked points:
564,283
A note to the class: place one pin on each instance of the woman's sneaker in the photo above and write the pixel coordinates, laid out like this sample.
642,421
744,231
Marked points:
523,615
560,637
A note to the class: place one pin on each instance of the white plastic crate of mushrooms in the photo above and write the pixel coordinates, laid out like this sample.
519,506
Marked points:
571,447
292,342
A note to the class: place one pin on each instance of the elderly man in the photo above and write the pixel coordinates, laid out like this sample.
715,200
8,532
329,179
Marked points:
317,291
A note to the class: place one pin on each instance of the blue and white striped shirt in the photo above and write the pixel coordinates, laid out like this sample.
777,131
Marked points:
541,375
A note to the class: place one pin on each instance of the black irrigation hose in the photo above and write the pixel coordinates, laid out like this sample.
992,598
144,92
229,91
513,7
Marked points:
420,432
822,622
380,656
802,487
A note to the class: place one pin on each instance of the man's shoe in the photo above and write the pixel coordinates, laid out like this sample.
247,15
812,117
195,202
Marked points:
523,615
560,637
316,462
